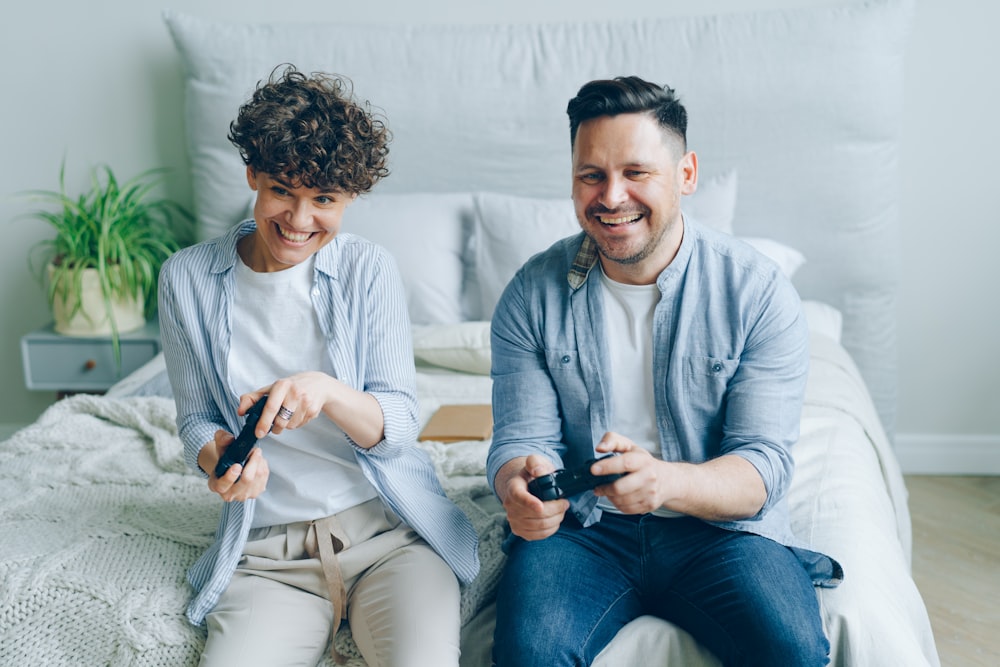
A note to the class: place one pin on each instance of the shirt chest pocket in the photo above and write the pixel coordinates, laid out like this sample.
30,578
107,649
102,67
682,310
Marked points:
710,368
706,380
568,377
561,362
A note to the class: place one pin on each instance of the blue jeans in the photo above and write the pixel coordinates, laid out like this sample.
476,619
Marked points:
744,597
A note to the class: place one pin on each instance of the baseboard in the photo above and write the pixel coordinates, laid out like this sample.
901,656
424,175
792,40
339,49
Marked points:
943,454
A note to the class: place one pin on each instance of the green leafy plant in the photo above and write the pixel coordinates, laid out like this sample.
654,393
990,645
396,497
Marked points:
119,229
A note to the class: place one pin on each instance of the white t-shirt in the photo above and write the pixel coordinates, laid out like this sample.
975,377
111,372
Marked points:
628,322
313,469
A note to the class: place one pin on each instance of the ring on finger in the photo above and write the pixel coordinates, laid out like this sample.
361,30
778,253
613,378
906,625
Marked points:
285,413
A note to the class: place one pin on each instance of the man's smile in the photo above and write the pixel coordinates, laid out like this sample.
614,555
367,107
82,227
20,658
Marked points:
619,220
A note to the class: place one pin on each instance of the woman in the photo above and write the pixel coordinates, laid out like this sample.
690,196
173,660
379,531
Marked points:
337,515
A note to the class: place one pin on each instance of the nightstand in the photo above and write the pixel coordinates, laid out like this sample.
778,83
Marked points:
68,364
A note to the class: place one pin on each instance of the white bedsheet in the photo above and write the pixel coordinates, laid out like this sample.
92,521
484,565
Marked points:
848,500
100,521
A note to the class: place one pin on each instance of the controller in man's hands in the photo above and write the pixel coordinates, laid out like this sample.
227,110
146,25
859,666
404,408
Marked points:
566,483
239,450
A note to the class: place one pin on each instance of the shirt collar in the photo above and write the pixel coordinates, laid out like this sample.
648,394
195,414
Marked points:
226,260
586,258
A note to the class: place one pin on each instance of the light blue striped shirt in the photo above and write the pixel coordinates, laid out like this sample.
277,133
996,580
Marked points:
359,301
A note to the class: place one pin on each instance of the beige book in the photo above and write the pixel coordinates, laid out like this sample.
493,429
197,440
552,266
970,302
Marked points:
453,423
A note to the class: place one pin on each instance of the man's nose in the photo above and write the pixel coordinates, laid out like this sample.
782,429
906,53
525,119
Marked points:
615,192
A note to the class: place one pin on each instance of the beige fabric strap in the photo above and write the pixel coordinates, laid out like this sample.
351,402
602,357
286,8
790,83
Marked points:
325,540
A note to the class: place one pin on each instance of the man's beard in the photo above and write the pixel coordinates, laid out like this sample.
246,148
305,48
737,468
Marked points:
642,253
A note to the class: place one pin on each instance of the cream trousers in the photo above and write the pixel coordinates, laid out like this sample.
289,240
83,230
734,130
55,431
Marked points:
402,599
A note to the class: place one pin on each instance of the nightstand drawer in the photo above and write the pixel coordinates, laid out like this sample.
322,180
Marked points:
67,364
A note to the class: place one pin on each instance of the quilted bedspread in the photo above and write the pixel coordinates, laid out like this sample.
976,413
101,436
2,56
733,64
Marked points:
101,520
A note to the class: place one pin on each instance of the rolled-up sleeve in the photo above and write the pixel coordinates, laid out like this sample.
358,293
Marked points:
765,395
198,417
526,411
384,354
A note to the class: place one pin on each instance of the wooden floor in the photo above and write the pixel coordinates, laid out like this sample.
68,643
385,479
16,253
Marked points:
956,564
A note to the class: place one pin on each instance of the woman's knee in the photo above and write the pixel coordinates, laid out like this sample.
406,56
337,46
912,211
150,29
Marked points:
405,611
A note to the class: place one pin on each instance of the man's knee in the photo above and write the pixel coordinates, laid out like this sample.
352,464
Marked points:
527,642
807,649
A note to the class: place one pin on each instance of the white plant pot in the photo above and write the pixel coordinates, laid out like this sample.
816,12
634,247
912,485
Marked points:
92,318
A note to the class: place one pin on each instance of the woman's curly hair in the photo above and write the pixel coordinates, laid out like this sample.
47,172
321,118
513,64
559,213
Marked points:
311,132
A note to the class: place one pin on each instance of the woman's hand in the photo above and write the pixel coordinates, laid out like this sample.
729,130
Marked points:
296,400
239,482
291,402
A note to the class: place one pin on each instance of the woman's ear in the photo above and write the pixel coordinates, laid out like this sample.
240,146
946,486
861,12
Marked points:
251,178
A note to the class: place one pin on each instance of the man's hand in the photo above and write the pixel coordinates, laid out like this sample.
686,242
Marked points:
726,488
529,517
239,482
642,489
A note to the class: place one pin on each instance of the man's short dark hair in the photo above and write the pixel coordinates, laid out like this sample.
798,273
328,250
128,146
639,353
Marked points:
628,94
310,132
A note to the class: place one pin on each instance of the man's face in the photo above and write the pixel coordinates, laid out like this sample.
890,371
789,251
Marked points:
293,223
628,178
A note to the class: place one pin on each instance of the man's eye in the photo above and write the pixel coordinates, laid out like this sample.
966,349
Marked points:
590,178
279,191
323,199
635,174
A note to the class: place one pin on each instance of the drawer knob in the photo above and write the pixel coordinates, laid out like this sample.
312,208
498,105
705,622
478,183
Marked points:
90,364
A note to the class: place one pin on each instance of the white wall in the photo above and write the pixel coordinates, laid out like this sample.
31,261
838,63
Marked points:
99,82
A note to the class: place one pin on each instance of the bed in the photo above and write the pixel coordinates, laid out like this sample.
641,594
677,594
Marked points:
795,117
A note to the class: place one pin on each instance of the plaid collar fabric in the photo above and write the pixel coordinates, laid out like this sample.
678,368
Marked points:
586,258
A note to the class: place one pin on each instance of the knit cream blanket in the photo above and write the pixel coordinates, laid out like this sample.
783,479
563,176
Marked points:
101,519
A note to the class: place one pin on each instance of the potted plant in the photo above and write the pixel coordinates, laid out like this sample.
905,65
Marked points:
102,266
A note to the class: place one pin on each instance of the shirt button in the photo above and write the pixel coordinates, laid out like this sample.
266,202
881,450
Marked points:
565,359
716,367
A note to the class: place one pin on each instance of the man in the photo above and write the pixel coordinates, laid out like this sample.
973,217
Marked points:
685,353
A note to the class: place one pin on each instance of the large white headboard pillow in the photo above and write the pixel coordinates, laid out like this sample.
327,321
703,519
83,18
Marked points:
805,104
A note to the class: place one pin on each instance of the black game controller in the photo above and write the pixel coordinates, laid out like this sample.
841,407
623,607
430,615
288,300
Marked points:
566,483
239,450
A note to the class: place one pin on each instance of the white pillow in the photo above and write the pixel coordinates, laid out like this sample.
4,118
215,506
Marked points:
462,347
788,258
426,234
714,202
823,318
509,230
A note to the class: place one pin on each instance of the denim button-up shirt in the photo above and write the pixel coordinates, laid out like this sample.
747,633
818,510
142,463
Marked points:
359,303
730,360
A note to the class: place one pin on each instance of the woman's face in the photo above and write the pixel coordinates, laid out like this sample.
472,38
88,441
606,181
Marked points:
293,223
